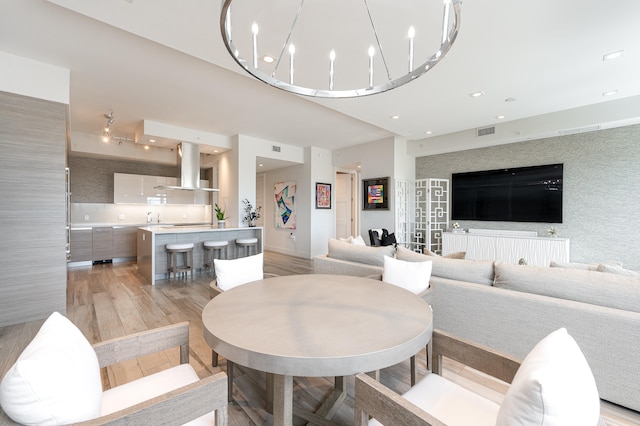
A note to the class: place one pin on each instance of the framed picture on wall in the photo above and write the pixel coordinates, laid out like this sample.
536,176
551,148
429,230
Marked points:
323,195
375,194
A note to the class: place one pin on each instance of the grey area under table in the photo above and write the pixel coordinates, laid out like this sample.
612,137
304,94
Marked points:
151,240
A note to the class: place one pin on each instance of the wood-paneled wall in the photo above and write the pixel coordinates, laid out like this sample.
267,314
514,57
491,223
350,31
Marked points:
33,270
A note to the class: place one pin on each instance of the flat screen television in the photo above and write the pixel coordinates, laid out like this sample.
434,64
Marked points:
523,194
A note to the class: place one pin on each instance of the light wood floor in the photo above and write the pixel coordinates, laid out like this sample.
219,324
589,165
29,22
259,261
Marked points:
107,301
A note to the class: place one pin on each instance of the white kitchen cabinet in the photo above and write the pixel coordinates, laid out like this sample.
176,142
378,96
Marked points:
142,189
203,197
138,189
178,196
538,251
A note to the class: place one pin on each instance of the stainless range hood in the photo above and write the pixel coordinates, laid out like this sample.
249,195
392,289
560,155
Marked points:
188,169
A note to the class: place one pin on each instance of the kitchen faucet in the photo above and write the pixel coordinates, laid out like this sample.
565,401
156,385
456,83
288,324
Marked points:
149,219
158,217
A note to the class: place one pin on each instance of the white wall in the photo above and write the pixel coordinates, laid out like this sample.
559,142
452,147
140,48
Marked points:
322,220
384,158
279,240
35,79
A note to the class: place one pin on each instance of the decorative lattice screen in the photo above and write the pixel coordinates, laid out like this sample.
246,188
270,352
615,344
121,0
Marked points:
431,214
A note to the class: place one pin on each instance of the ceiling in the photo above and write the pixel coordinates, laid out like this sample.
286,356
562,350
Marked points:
164,61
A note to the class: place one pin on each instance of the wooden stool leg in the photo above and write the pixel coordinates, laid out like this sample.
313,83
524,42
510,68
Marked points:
169,265
174,262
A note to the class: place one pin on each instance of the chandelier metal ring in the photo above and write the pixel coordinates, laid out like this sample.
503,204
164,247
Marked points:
450,29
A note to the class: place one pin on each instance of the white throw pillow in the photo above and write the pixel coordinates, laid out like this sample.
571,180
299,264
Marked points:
56,379
554,386
358,241
413,276
234,272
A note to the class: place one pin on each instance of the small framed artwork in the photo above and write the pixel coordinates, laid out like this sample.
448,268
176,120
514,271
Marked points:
375,194
323,195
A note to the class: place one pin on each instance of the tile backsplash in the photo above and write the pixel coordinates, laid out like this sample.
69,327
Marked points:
136,214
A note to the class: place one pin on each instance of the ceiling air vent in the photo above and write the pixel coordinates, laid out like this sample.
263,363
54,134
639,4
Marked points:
275,148
486,131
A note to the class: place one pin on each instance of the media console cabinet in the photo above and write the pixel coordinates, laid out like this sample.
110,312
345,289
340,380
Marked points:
507,246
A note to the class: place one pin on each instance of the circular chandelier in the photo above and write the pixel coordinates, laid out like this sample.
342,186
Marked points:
338,48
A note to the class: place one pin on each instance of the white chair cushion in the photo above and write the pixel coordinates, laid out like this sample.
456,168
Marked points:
412,276
554,386
56,379
145,388
216,243
234,272
450,403
179,246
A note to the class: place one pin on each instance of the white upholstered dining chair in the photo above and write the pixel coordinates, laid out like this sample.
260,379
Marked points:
553,386
229,274
57,380
414,277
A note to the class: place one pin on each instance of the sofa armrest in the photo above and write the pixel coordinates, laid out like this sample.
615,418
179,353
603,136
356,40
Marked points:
479,357
374,399
136,345
188,402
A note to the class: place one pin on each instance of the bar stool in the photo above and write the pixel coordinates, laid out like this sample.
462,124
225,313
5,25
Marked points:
211,248
246,244
172,259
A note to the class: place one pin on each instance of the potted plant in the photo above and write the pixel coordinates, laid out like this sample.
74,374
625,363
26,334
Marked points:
220,216
251,215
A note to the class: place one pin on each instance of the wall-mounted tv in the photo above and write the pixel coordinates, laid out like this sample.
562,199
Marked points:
523,194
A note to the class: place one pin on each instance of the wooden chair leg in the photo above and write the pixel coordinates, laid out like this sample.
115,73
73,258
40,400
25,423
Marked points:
413,370
229,381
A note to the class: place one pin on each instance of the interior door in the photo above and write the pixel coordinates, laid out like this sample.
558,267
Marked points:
344,199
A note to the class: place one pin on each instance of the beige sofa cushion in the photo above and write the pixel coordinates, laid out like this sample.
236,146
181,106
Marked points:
474,271
614,291
361,254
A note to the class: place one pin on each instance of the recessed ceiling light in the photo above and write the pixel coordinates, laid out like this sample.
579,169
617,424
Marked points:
146,147
215,150
395,117
268,59
476,94
152,140
610,93
612,55
428,132
260,165
501,117
510,100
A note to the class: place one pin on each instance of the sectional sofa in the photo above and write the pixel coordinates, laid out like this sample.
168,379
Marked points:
511,307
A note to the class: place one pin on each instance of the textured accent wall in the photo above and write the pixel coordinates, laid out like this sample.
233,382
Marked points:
601,198
92,178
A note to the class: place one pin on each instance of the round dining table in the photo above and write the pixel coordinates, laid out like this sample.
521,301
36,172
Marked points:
315,326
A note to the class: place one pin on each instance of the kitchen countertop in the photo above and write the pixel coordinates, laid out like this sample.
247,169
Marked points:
180,229
83,225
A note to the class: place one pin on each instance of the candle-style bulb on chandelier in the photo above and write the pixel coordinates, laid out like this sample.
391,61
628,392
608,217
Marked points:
284,38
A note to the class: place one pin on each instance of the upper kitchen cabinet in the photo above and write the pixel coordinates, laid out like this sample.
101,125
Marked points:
143,189
138,189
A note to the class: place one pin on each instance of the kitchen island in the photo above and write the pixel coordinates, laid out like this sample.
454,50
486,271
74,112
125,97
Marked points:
152,256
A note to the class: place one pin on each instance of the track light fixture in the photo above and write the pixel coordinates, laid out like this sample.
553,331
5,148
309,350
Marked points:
106,133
